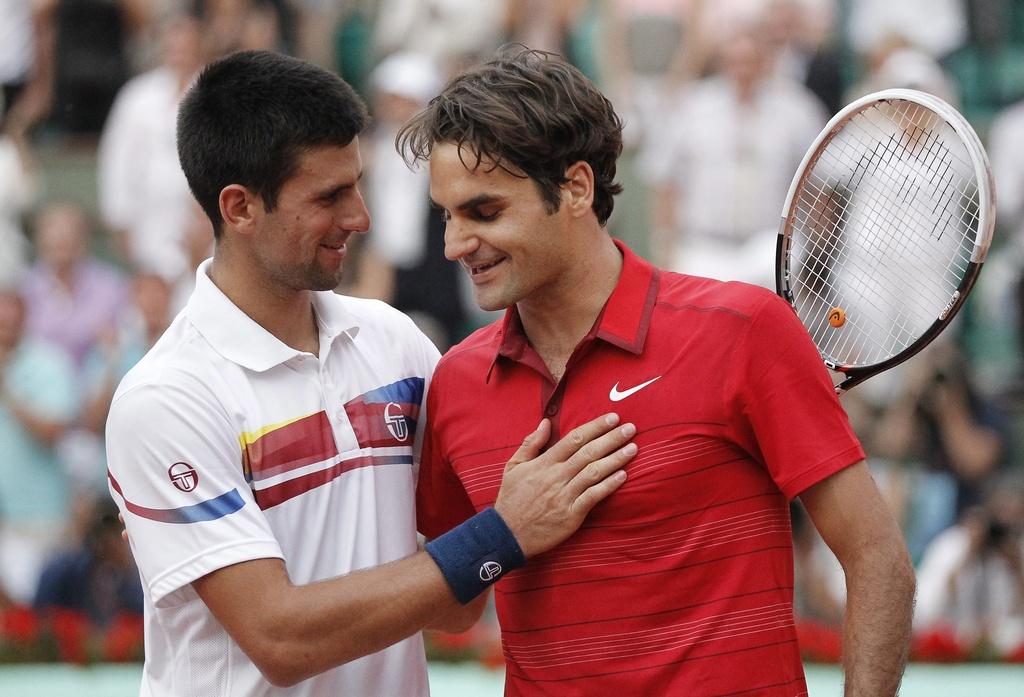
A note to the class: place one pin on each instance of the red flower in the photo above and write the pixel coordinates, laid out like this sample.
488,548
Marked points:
938,645
70,629
819,642
19,624
124,639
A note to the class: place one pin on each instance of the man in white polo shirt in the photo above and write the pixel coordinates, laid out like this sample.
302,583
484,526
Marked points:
268,443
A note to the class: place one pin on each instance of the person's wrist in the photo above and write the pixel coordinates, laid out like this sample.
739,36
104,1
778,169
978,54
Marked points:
474,555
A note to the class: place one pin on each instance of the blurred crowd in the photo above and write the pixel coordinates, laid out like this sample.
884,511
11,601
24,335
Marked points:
720,101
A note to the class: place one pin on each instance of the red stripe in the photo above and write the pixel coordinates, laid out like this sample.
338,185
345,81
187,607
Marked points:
300,443
272,496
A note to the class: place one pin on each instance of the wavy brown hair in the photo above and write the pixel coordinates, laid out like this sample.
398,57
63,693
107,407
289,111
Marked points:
530,113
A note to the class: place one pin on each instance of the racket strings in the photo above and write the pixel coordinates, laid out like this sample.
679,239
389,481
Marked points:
884,226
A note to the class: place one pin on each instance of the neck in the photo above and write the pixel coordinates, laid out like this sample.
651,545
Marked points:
556,322
284,312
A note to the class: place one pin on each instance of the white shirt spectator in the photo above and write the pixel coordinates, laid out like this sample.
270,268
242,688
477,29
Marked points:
977,594
935,26
730,163
17,41
142,190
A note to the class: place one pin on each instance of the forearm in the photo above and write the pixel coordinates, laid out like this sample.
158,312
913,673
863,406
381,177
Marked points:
461,617
302,631
876,632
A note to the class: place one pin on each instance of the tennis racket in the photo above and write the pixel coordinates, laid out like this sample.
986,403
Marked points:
884,230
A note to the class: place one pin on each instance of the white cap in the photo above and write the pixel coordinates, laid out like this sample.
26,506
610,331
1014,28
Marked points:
410,75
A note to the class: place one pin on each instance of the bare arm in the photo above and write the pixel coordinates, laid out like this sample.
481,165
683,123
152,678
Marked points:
294,632
855,522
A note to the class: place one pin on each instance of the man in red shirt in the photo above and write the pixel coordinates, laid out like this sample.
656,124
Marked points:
681,583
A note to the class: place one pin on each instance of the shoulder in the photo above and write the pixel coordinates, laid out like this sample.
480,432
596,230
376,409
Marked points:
180,363
696,293
476,351
388,328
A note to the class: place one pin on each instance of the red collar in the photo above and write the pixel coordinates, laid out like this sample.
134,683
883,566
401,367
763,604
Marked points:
623,322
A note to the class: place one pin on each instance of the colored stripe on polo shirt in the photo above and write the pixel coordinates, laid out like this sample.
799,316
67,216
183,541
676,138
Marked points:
279,493
282,447
386,416
211,509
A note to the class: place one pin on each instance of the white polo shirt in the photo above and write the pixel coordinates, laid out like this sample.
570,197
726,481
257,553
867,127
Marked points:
226,445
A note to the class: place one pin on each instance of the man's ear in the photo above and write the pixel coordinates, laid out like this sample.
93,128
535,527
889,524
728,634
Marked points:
240,208
578,190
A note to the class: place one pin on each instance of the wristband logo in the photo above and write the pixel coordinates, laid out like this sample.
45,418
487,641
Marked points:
183,476
394,419
490,571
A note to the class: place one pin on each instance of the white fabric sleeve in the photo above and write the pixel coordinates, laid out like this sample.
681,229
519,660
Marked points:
175,470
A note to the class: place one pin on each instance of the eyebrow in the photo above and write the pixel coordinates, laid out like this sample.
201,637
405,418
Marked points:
341,187
479,200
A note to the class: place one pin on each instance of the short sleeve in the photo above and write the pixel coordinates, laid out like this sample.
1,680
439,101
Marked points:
175,470
787,396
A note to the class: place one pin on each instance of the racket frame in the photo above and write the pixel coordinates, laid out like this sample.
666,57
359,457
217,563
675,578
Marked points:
854,375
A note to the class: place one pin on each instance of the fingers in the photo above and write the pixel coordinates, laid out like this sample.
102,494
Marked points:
593,495
531,445
587,457
597,473
124,529
580,436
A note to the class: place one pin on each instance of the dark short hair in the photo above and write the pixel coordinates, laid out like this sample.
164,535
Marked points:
248,118
531,113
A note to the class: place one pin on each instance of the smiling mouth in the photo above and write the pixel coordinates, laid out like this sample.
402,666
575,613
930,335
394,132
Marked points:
476,269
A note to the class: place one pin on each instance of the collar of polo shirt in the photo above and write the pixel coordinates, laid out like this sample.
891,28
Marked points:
234,335
623,321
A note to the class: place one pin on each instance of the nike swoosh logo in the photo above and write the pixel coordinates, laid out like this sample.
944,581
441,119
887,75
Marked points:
617,396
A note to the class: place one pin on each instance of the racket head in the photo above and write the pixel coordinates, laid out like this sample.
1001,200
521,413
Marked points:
886,225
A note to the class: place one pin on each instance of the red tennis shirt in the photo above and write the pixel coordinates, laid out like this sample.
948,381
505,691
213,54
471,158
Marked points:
681,582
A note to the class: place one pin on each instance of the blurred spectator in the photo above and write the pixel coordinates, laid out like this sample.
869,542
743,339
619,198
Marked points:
899,65
237,25
989,68
971,579
144,198
933,418
819,592
998,335
72,297
118,349
37,404
17,190
121,348
452,32
91,62
801,37
27,48
934,26
724,161
402,261
98,577
541,24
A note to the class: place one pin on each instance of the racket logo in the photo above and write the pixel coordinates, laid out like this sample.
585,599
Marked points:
183,476
396,422
949,305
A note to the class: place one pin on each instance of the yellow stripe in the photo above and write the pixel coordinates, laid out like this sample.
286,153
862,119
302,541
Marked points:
251,437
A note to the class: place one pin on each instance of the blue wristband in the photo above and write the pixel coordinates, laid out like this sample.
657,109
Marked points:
475,554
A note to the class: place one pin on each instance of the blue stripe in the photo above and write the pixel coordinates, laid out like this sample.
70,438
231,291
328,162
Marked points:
407,391
215,508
